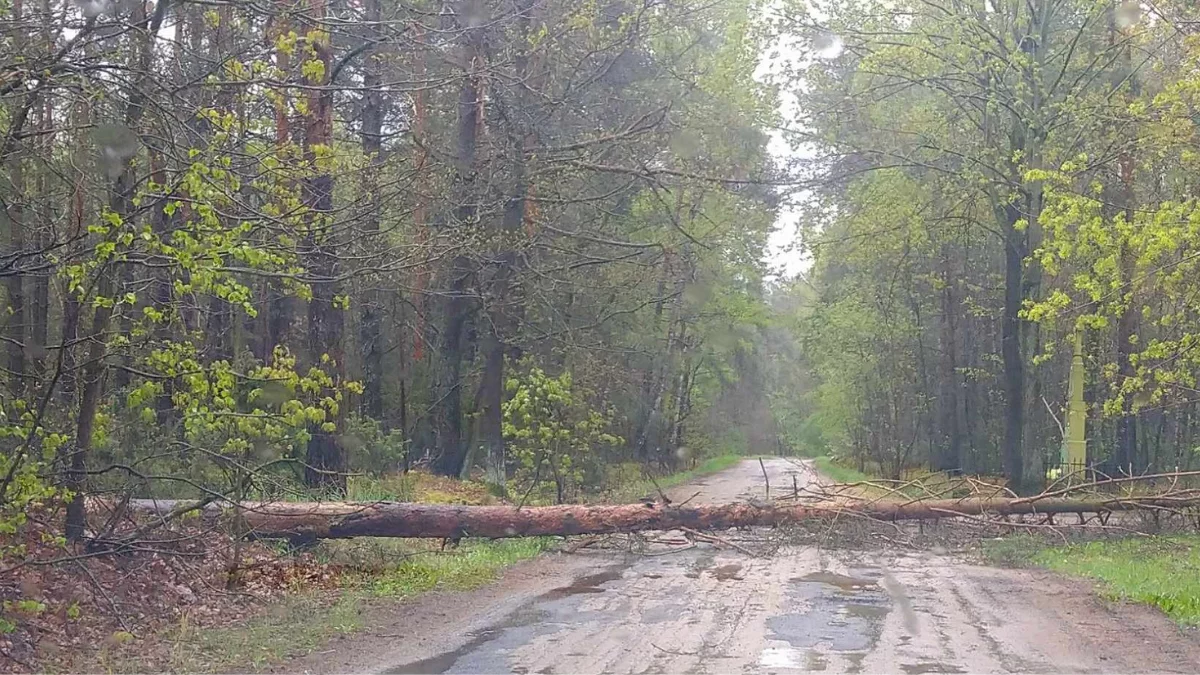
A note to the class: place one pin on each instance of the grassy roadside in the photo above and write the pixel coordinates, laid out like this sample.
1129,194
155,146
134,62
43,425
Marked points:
303,621
1162,571
838,473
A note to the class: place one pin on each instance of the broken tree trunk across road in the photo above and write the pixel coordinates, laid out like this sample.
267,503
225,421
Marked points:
343,520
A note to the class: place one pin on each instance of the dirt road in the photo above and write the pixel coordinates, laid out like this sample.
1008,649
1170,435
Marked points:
711,610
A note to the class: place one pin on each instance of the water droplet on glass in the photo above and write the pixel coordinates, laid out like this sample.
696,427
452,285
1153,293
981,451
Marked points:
826,45
1128,14
93,8
115,144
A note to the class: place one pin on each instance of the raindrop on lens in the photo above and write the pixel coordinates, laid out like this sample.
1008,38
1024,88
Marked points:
1128,14
826,45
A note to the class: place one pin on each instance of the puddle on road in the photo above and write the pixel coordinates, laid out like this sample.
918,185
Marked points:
582,585
838,612
523,621
665,612
843,582
810,660
487,649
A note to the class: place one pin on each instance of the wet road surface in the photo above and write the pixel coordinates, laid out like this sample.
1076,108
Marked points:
716,610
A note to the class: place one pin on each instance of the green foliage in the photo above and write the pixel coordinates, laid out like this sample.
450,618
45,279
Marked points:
472,564
553,432
27,451
370,449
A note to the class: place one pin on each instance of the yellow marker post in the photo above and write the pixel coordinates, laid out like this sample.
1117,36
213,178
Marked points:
1074,450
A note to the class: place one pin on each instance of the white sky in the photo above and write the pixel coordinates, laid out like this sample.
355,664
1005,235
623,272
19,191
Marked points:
782,246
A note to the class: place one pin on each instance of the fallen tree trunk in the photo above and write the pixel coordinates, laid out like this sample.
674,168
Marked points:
343,520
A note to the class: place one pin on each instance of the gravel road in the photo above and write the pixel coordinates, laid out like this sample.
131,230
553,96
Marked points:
712,609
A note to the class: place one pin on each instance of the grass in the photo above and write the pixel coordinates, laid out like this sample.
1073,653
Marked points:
292,626
1162,571
839,473
302,622
632,490
473,564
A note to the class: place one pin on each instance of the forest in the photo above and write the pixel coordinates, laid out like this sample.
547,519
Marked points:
1002,180
412,258
269,250
258,249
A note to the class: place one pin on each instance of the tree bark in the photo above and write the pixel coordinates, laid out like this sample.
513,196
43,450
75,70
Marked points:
14,318
504,298
325,461
1010,349
96,369
343,520
950,455
371,312
451,451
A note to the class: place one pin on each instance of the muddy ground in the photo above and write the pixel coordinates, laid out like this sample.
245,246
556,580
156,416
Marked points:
713,609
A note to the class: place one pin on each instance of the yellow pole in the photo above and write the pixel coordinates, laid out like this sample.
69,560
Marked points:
1075,443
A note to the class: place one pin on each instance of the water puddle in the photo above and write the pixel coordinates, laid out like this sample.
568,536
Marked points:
525,618
665,613
487,649
583,585
835,612
844,583
780,657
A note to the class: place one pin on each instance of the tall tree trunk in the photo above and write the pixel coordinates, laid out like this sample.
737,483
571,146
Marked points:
14,318
950,457
451,451
95,370
370,317
40,317
1126,455
505,295
280,306
325,461
1010,350
646,400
